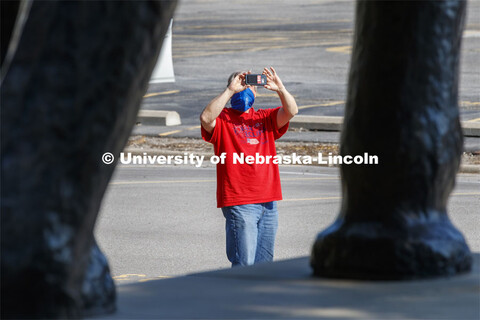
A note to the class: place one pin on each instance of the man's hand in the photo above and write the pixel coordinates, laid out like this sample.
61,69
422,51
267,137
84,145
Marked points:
289,106
273,80
238,83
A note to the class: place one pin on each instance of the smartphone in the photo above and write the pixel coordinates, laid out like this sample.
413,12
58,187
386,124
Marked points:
256,79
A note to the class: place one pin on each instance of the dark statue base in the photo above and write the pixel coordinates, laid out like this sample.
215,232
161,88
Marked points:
98,288
373,251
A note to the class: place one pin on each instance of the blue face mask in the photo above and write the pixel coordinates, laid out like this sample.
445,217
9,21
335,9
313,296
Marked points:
243,100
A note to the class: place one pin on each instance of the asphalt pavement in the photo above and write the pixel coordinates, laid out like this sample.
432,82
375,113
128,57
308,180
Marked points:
162,221
307,41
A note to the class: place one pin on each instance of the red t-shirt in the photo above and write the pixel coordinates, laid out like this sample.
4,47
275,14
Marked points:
247,134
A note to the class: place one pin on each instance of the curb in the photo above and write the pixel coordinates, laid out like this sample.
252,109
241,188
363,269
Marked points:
469,168
158,118
471,129
321,123
317,123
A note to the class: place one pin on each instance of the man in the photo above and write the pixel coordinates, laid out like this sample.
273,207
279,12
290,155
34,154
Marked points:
246,192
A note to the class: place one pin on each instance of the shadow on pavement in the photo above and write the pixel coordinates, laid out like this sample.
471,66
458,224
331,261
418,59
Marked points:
286,289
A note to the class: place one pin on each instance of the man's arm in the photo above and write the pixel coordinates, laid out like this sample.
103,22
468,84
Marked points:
215,107
289,105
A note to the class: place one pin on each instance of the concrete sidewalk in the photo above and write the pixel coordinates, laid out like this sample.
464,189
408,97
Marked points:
308,122
286,289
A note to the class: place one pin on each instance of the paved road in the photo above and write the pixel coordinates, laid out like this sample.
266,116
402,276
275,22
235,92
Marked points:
308,41
163,221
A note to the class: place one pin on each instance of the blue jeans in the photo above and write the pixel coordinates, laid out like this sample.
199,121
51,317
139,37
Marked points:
251,230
